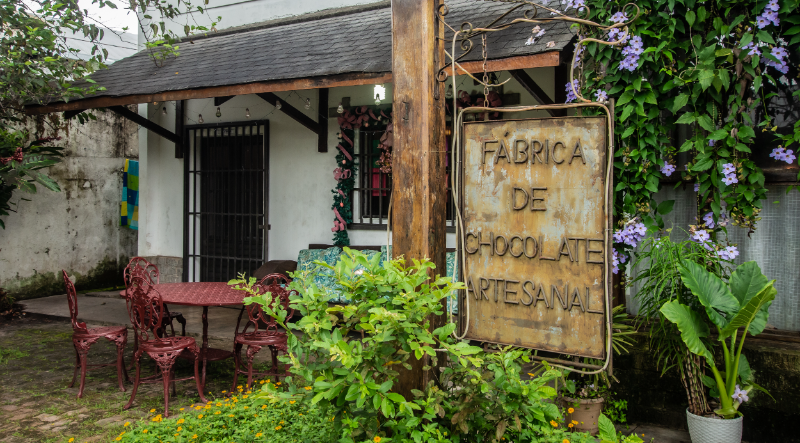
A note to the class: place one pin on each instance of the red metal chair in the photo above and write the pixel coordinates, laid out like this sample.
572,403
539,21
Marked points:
270,336
140,267
83,338
146,311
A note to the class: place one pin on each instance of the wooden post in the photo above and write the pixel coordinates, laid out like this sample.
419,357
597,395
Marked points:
418,195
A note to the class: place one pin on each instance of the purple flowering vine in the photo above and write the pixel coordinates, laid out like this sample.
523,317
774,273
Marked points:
601,95
730,174
769,15
782,154
728,253
668,169
571,97
740,395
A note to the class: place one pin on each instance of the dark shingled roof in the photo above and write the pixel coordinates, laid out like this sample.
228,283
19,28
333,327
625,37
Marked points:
309,46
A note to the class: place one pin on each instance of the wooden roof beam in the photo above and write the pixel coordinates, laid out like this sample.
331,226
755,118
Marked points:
141,121
533,89
543,60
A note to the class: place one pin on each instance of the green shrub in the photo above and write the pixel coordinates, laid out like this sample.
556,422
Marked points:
264,415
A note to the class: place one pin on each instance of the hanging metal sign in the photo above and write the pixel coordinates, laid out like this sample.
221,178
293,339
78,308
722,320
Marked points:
536,250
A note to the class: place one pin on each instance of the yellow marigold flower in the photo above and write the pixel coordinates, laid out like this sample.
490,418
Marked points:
278,384
219,404
152,410
308,388
180,421
278,428
553,423
200,416
118,439
224,392
194,436
570,425
177,435
565,441
259,434
217,413
291,402
249,392
244,396
263,406
531,374
571,410
377,439
281,422
180,428
574,422
73,438
246,407
181,409
144,432
230,415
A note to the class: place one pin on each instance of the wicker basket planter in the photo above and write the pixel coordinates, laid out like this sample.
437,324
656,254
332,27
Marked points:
714,430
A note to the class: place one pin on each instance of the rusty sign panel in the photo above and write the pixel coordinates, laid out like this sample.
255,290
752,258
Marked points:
533,205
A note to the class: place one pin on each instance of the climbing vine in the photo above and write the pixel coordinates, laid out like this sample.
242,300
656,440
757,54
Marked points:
346,167
719,67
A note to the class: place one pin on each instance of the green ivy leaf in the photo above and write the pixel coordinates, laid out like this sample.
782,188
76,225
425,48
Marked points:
765,37
705,122
680,101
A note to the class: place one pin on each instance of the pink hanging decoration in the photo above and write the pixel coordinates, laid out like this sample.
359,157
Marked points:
340,173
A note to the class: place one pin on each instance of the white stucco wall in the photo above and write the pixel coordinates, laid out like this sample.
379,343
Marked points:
76,229
300,179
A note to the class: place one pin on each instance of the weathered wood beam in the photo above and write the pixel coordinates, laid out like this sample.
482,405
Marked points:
69,114
418,164
322,110
291,111
180,107
543,60
145,123
329,81
220,100
533,89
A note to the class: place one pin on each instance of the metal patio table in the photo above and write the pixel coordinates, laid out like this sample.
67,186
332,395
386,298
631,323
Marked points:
203,294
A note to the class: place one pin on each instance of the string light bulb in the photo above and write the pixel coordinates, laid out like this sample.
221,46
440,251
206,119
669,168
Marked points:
247,112
200,118
164,110
308,103
449,93
340,109
377,99
219,112
277,104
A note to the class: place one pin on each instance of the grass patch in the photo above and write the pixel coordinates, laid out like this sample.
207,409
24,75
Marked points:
7,355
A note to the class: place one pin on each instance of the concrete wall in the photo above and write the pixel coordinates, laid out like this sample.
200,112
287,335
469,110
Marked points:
76,229
301,178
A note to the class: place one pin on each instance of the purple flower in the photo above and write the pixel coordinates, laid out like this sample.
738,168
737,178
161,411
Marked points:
751,47
571,95
780,52
711,143
740,395
773,5
730,179
601,95
782,154
631,234
728,253
577,4
761,22
619,17
701,236
615,34
616,259
728,168
708,220
668,169
697,187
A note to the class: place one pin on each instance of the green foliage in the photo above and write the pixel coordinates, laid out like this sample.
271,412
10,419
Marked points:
10,354
729,307
616,410
261,415
694,73
352,355
20,163
608,434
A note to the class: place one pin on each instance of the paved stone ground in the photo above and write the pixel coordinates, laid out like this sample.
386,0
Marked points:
36,366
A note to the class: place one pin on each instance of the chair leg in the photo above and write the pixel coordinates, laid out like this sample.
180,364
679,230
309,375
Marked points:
136,381
237,361
121,364
167,375
84,356
77,368
252,350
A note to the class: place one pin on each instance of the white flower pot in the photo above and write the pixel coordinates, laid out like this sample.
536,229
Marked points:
714,430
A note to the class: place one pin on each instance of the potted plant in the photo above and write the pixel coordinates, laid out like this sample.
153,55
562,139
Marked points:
735,308
584,397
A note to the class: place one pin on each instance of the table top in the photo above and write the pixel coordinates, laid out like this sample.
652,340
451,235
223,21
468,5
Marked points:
199,294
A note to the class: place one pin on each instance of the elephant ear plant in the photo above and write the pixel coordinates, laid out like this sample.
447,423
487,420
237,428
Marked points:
736,308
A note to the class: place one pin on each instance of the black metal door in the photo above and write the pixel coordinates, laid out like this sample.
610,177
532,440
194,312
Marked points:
226,186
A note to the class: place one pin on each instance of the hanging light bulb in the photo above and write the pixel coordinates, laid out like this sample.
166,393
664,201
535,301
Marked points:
308,103
277,104
340,109
338,135
164,110
377,99
200,118
247,112
155,103
449,93
219,112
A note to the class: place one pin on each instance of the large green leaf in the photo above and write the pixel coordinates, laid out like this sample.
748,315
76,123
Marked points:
607,430
760,322
749,311
691,326
746,281
712,292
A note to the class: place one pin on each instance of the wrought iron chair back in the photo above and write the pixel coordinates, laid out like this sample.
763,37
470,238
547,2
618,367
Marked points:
145,308
72,300
280,295
140,267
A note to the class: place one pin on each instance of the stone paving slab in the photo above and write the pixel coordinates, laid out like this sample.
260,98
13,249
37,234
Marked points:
112,311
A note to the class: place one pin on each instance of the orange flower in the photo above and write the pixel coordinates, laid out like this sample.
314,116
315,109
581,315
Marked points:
565,441
570,410
377,439
570,425
278,428
553,423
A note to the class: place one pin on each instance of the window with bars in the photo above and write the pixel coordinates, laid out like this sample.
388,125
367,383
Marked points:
373,186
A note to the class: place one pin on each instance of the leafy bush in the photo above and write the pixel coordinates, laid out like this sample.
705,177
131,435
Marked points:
262,416
352,354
